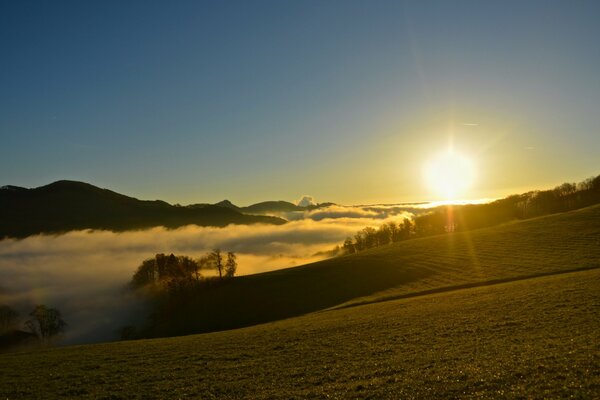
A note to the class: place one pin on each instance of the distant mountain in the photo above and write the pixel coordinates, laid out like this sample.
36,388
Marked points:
271,206
227,204
69,205
268,207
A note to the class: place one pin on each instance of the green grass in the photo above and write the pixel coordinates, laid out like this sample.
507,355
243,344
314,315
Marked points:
560,242
536,338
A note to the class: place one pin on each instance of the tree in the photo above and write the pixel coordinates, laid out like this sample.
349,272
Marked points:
370,237
8,318
146,273
45,322
230,265
384,235
349,246
394,231
359,242
127,332
217,260
405,229
162,269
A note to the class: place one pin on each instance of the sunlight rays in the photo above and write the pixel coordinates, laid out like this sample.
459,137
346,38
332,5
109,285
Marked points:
449,174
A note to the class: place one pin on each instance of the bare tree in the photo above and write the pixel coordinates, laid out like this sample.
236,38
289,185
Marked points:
230,265
8,318
217,259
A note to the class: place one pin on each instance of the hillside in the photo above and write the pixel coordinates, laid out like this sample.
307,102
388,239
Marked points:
269,207
536,338
544,245
272,207
68,205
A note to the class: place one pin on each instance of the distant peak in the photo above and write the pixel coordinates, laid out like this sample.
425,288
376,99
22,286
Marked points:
69,185
226,203
65,182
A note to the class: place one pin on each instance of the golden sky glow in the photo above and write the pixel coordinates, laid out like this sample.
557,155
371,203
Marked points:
342,101
449,174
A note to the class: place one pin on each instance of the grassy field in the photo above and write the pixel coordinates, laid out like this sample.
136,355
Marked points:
375,331
560,242
536,338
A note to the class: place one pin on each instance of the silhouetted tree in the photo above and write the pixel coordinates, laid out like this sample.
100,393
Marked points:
205,262
447,219
128,332
230,265
383,235
45,322
369,235
162,269
349,246
146,273
406,229
217,260
8,318
359,242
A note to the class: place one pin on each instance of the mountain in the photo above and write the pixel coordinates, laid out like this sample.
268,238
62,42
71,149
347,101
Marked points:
271,206
268,207
227,204
67,205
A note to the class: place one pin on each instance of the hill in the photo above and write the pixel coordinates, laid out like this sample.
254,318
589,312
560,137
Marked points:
503,312
68,205
534,247
536,338
270,207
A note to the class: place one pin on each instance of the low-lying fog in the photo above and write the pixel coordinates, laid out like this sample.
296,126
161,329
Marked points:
84,273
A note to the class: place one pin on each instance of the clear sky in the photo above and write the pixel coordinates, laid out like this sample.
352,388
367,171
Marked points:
192,101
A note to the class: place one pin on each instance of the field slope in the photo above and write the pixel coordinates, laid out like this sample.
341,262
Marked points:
545,245
514,315
535,338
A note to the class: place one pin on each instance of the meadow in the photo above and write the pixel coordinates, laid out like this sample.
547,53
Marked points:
517,250
536,338
504,312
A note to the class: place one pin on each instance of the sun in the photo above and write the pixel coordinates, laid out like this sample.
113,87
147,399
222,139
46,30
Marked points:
449,175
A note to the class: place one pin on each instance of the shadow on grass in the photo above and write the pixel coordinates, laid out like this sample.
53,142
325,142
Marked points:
271,296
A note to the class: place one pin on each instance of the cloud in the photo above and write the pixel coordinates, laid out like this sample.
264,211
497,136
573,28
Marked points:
84,273
306,201
376,212
336,211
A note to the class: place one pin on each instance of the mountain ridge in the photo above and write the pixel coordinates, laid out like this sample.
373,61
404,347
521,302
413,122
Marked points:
72,205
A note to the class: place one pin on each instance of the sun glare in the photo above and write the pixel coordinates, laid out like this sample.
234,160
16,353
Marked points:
449,175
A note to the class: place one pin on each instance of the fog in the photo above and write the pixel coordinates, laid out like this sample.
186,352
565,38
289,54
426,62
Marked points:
84,273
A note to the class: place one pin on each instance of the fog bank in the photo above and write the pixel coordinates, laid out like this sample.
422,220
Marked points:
84,273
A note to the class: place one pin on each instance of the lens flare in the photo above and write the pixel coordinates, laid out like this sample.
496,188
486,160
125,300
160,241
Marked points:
449,175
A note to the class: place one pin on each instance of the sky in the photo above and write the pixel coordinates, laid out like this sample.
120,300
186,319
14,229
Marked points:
346,101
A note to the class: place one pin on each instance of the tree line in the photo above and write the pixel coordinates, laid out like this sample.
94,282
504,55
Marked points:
370,237
456,218
168,270
172,282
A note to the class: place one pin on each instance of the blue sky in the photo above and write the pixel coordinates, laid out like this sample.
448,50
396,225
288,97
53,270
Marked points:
192,101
